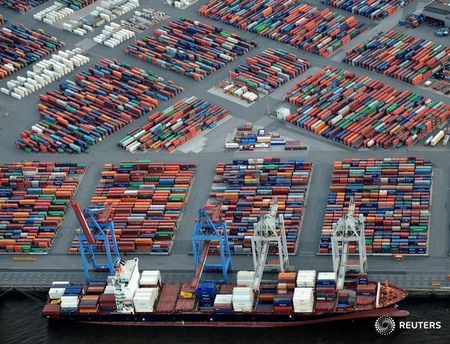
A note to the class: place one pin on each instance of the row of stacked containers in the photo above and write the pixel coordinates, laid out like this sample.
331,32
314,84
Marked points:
247,188
101,100
318,31
147,202
268,70
400,56
373,9
190,48
393,194
362,112
27,5
34,198
20,47
174,126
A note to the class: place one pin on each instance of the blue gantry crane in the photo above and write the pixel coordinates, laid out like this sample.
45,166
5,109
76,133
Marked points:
96,227
208,228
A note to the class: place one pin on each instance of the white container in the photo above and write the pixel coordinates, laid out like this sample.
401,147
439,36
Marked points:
245,278
150,278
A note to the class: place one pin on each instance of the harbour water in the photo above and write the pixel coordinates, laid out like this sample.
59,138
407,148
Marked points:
21,323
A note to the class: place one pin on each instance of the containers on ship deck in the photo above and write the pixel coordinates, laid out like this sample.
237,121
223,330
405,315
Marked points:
393,194
367,8
174,126
21,47
147,203
358,111
34,198
246,189
99,102
400,56
190,48
268,70
319,31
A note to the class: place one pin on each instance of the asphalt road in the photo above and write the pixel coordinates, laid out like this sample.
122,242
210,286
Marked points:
207,150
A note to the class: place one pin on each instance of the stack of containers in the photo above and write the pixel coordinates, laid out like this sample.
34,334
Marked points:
96,287
144,300
168,299
88,304
358,111
393,194
34,198
21,5
101,101
303,300
223,303
60,9
190,48
107,11
206,293
368,8
299,25
245,278
58,289
400,56
150,279
69,304
113,35
325,291
147,201
247,188
286,282
366,295
21,47
259,138
44,72
243,299
268,70
267,292
143,19
306,278
174,126
107,301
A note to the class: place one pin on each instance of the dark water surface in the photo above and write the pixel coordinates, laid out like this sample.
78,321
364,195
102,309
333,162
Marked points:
21,322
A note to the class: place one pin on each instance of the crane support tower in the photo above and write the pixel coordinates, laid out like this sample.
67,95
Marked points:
96,227
265,235
208,228
346,231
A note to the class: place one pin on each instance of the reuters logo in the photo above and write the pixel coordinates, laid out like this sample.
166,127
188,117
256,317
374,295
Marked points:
385,325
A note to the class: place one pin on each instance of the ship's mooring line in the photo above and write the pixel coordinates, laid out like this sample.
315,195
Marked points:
6,291
31,297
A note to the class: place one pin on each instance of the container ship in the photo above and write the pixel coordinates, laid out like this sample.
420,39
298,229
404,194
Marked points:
132,298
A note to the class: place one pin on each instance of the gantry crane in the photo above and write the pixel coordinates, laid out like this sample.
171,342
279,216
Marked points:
96,227
208,228
265,235
346,231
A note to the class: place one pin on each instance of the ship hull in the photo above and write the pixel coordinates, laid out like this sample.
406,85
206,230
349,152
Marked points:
207,319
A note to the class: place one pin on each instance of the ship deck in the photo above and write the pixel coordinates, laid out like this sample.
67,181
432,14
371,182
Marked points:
415,273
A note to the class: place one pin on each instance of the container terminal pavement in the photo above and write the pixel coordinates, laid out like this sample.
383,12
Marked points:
418,273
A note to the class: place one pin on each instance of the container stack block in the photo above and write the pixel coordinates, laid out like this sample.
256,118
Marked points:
34,198
318,31
147,202
190,48
361,112
393,194
246,189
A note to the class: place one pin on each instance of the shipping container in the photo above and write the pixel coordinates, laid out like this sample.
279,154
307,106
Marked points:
362,112
400,56
34,199
99,102
174,126
21,5
20,47
393,195
60,9
190,48
373,9
318,31
268,70
246,189
147,202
